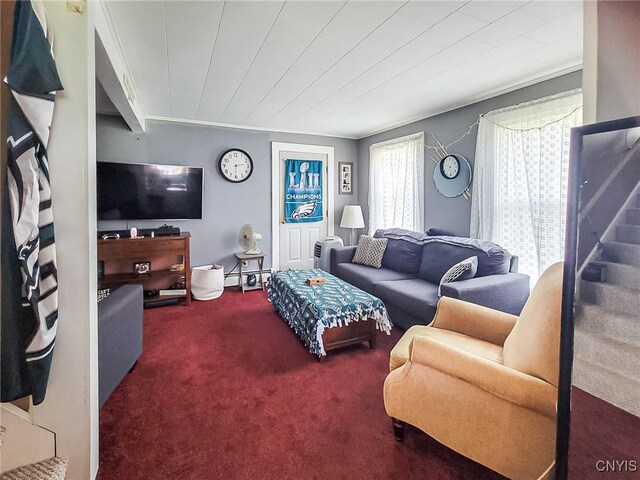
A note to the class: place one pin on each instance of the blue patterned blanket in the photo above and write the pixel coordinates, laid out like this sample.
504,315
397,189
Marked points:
310,309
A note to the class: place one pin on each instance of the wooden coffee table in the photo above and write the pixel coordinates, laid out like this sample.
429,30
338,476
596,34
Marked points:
356,332
329,316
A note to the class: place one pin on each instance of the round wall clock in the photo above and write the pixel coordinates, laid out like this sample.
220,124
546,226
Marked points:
450,167
452,175
235,165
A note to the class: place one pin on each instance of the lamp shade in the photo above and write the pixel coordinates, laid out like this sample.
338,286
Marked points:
352,217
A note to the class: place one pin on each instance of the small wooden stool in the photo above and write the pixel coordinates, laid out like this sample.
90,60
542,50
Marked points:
243,257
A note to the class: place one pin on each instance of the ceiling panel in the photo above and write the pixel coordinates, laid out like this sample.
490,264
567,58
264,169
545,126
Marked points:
353,23
355,95
451,29
390,36
189,24
549,11
344,68
557,29
508,27
432,12
490,11
220,86
292,33
282,93
243,29
140,31
390,94
183,106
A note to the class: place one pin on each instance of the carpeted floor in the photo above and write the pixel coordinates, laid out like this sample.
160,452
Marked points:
601,432
225,390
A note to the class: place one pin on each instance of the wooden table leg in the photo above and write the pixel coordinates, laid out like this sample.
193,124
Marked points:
260,264
372,342
398,429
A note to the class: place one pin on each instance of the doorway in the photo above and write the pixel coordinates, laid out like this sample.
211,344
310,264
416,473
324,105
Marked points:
292,243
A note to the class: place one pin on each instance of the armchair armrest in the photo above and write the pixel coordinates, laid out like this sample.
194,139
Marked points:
473,320
340,255
507,292
503,382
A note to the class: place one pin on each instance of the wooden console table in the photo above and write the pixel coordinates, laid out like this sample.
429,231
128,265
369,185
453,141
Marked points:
118,256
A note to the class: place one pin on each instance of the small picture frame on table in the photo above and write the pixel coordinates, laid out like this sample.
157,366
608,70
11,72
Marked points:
142,268
345,178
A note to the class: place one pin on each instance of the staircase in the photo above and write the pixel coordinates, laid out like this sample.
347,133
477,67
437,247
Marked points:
607,316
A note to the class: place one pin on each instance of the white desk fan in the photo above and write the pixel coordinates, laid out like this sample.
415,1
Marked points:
248,239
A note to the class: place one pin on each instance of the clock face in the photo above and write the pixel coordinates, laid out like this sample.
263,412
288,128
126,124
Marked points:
235,165
450,167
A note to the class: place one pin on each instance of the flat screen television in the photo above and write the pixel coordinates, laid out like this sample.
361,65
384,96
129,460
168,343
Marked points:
134,191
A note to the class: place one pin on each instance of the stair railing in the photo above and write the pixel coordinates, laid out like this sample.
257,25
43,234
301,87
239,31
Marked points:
603,211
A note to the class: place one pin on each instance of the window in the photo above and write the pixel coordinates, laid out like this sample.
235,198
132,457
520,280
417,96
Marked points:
396,184
520,185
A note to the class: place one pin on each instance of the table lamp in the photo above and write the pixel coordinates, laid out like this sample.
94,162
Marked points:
352,218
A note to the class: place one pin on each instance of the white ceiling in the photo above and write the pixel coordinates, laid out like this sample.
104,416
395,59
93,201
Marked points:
347,69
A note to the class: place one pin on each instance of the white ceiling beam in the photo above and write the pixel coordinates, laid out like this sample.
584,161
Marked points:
113,74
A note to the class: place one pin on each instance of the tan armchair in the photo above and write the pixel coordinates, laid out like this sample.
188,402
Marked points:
484,382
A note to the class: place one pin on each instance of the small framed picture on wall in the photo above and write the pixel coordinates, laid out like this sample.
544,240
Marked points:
345,172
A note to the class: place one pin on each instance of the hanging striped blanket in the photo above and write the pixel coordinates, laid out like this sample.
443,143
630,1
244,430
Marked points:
29,317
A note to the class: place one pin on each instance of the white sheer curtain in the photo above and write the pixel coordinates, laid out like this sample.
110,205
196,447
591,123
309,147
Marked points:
396,183
520,179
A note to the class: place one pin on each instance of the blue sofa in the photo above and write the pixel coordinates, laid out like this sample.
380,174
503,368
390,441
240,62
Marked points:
414,263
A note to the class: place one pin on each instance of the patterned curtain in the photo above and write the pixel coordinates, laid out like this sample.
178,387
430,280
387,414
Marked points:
520,181
396,184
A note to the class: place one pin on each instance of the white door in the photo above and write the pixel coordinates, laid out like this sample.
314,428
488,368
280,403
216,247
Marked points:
294,242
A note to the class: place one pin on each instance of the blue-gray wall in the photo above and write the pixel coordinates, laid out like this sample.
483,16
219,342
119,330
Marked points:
454,213
226,206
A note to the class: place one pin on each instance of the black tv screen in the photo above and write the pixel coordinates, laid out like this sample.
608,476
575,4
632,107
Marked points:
133,191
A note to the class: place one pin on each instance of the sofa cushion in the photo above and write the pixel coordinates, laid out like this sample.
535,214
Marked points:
366,277
411,295
370,251
439,254
404,249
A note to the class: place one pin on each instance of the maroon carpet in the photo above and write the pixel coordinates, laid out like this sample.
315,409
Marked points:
602,433
224,389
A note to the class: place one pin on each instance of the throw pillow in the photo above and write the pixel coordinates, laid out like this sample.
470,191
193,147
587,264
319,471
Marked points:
463,270
439,232
370,251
